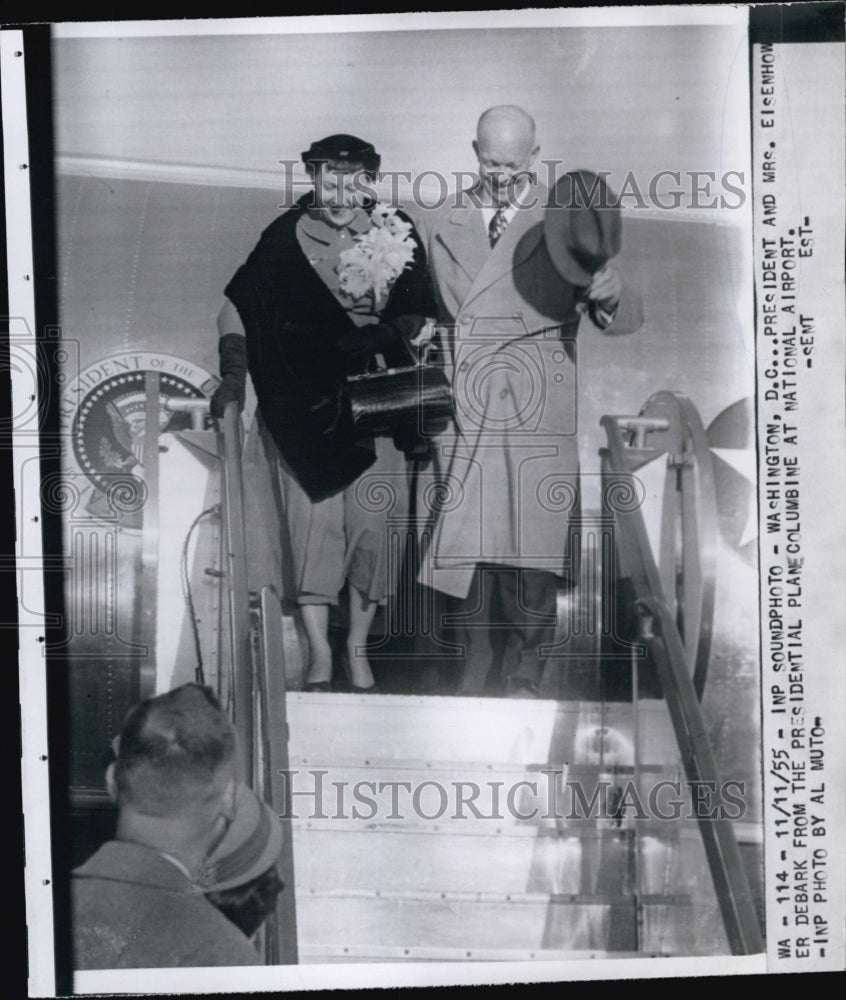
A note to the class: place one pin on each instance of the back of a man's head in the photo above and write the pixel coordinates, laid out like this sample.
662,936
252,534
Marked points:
176,753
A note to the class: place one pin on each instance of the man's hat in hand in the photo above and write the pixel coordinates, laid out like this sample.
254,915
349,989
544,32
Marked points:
582,226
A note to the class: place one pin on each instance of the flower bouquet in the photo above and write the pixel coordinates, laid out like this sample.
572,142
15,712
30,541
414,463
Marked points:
379,256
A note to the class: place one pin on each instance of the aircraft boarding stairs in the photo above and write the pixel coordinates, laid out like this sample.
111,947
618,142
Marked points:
472,829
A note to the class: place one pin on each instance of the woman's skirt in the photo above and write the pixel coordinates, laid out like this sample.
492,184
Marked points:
358,535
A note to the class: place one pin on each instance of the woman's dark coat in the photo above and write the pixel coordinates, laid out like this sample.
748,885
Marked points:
294,324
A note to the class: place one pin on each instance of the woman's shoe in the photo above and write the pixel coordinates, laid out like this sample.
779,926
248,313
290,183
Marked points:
356,688
373,689
317,686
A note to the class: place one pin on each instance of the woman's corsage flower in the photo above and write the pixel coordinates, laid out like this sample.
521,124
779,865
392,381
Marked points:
379,256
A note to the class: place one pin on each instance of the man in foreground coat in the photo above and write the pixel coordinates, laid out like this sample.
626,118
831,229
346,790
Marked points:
515,281
136,902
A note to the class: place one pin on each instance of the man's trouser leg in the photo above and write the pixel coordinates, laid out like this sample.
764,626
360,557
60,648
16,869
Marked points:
477,624
529,602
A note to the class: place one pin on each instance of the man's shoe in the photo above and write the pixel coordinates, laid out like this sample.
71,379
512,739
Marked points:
521,687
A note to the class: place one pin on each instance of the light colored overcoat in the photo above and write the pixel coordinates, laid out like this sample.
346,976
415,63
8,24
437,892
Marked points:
509,463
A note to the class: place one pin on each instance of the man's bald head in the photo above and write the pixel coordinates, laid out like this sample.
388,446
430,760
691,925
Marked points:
507,123
506,148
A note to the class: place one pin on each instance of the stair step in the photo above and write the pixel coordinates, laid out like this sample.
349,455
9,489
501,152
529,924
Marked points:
348,727
417,872
482,769
314,954
452,897
393,793
501,831
391,860
532,923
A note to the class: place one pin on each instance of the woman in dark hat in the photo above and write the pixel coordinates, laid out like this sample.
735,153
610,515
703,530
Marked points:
336,285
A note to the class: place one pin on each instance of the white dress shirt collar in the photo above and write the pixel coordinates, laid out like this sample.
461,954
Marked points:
489,211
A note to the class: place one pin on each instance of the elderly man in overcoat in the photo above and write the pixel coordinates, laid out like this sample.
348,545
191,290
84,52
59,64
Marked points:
512,295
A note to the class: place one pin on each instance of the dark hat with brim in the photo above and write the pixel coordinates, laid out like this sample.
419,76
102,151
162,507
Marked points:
251,845
582,225
343,148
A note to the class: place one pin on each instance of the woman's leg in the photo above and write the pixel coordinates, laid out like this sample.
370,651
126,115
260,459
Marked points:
362,612
375,516
316,621
315,571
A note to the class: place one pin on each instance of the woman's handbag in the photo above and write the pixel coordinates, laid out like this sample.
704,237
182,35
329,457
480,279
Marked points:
417,397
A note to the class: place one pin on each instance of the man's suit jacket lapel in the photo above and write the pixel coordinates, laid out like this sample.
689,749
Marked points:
516,244
466,239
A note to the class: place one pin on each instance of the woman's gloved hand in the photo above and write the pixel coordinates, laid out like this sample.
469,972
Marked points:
360,345
232,349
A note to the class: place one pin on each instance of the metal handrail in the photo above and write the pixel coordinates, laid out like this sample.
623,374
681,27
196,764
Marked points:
660,632
281,928
235,541
257,689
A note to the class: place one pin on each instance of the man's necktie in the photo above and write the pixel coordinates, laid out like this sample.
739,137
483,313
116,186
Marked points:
497,226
